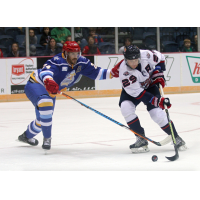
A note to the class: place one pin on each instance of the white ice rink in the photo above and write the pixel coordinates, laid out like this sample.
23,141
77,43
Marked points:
85,141
93,153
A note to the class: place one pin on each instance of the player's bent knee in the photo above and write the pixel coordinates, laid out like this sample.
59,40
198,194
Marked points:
128,110
45,101
158,116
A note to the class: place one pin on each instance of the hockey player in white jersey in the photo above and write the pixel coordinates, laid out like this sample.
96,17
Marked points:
140,74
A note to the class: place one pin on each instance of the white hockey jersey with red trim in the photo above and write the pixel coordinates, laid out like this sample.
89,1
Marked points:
134,81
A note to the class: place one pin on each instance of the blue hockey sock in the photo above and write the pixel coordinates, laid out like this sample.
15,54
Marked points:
45,106
33,129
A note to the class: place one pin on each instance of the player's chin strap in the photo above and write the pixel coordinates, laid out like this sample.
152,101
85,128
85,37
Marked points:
161,143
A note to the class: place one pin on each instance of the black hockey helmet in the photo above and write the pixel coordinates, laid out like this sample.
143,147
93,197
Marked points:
131,52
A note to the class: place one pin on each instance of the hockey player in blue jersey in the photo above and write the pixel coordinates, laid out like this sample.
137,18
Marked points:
57,74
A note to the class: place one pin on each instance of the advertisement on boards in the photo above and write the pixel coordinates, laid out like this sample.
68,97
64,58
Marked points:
173,70
108,62
18,71
3,80
191,69
172,73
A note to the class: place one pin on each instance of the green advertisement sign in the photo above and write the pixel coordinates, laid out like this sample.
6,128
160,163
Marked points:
194,67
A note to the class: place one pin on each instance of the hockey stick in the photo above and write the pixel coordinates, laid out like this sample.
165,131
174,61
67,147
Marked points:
161,143
176,156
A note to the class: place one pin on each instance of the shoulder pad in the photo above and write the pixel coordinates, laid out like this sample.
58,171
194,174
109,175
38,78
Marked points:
83,58
56,58
145,54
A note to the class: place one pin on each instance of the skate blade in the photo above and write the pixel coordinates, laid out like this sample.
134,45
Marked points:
45,152
20,141
182,148
143,149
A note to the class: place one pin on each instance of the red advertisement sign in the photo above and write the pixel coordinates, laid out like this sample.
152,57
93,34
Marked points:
18,69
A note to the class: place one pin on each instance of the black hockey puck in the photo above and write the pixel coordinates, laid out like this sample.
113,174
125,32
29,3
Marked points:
154,158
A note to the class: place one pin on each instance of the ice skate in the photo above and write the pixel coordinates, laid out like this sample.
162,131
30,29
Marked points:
180,144
46,144
31,141
140,146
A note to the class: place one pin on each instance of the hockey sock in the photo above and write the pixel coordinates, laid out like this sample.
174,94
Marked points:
45,106
135,126
33,129
167,129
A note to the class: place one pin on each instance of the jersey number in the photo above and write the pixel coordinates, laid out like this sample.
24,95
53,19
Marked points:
155,58
126,82
148,68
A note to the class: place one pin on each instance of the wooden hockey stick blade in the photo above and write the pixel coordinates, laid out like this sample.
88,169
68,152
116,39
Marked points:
161,143
176,156
167,140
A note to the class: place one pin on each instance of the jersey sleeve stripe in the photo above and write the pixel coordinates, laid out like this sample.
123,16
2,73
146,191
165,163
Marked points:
103,74
44,74
108,74
99,75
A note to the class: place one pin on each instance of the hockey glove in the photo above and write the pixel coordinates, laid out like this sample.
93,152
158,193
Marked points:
158,77
161,102
51,86
115,70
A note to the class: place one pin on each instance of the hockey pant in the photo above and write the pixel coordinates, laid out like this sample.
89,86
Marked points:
128,106
44,107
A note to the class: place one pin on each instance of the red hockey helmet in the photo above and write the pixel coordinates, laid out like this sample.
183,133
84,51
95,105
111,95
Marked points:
71,46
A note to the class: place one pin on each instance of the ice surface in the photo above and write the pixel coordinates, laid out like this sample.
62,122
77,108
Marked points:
85,141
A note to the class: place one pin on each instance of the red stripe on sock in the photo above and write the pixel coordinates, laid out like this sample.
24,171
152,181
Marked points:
165,127
132,122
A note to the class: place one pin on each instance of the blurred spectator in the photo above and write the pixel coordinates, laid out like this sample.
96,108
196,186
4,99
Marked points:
127,42
80,36
69,38
14,51
105,30
1,54
97,38
195,43
80,32
187,46
79,42
44,40
91,48
33,50
32,37
52,49
60,34
21,30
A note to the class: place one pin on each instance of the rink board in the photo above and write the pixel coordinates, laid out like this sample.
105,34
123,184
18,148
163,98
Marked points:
182,76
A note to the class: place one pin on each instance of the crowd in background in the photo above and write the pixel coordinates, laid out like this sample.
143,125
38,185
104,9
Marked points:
48,41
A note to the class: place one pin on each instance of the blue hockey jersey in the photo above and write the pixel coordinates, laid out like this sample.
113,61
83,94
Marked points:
66,75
